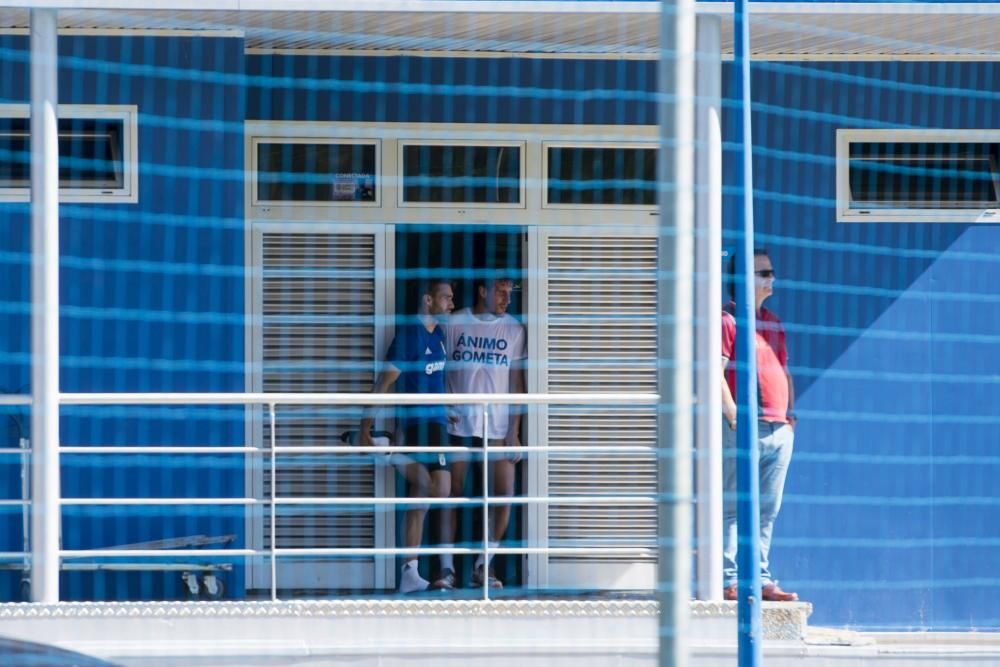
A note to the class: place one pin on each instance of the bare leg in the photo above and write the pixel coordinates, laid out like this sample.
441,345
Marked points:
448,524
420,482
503,487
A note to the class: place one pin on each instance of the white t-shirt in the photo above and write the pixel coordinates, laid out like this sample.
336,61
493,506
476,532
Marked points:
482,350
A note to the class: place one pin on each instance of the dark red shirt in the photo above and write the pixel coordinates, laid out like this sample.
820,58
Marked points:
772,362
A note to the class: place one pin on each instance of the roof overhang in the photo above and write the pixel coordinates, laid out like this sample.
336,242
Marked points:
779,30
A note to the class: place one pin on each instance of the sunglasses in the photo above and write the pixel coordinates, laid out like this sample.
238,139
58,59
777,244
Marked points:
766,273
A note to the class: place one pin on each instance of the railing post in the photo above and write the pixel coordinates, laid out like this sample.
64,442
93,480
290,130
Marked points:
274,511
45,508
486,501
708,312
674,337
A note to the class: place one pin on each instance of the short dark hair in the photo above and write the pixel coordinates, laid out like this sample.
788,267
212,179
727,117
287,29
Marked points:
492,280
757,252
431,285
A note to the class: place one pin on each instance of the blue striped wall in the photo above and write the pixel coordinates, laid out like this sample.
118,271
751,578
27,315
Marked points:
152,294
889,513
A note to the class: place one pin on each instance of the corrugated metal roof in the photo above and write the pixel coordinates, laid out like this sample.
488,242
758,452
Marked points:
777,29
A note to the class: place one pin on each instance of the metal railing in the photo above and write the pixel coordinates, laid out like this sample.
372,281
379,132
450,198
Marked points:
271,401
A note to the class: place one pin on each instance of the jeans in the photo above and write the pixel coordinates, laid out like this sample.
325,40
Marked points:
775,441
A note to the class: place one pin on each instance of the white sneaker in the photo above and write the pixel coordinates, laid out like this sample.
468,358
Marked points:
410,580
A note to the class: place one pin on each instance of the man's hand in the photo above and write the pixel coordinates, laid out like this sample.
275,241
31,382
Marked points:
365,437
513,440
729,414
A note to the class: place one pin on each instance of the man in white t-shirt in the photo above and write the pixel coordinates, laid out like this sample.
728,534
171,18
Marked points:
486,350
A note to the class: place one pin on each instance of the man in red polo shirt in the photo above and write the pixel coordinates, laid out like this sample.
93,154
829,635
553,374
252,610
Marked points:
775,430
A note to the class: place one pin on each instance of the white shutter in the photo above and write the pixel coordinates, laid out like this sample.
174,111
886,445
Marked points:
317,324
600,336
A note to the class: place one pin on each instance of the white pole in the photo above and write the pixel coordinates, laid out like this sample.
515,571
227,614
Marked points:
708,316
675,286
45,309
486,502
274,505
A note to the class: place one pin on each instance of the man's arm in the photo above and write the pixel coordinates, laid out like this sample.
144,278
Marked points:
382,386
517,386
728,402
791,398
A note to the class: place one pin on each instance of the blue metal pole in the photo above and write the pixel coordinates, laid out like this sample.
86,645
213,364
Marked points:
747,472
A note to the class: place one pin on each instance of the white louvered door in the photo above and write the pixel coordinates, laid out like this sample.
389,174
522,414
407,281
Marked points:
597,334
319,304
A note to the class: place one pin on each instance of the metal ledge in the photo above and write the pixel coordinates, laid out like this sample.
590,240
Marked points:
782,621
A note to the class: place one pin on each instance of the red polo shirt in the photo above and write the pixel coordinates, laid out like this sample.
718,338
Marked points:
772,360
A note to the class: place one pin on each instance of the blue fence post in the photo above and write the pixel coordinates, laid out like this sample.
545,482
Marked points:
747,482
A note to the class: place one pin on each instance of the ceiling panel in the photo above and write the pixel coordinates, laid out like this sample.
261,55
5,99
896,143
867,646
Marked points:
634,34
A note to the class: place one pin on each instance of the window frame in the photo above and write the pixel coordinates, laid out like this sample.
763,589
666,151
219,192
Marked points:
547,144
254,173
402,143
846,212
128,193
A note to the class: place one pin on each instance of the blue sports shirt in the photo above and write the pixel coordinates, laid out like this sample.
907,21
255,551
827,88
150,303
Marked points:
420,356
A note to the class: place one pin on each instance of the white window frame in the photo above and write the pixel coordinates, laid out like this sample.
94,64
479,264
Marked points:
546,145
255,141
128,193
389,135
848,213
403,143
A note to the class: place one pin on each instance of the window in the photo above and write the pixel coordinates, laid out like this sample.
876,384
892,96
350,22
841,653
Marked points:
455,173
316,171
589,176
470,173
97,159
913,176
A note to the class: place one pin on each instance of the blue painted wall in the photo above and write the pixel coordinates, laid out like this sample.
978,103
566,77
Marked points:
890,512
446,90
152,295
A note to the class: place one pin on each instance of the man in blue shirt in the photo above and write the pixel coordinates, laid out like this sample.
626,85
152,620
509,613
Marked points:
415,364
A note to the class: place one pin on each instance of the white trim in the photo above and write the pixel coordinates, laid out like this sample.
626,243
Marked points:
847,213
546,145
383,53
255,415
401,176
536,517
176,5
385,476
464,6
869,8
866,57
128,193
255,141
652,55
